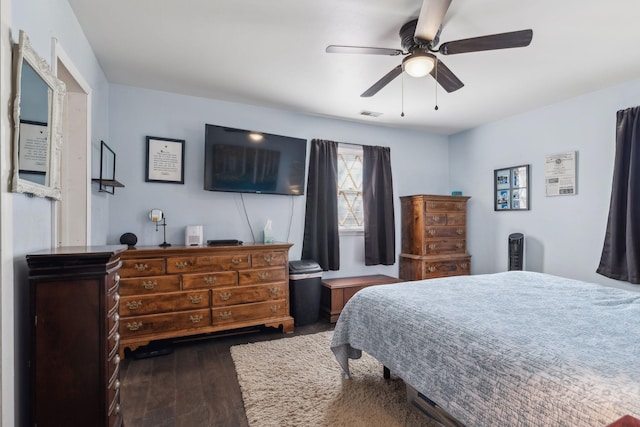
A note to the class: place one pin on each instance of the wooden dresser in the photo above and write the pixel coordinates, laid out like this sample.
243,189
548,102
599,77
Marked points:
179,291
74,340
434,232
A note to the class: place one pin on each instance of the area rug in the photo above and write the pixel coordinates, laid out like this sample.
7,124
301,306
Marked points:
297,381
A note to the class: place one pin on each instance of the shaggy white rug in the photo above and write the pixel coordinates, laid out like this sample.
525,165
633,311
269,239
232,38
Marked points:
297,382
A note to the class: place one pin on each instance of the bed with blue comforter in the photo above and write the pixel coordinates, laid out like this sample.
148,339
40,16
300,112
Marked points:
505,349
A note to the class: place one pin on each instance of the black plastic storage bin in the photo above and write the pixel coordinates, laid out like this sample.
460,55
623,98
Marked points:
305,277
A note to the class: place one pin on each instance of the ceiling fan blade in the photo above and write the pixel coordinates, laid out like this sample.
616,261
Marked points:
430,19
491,42
363,50
382,82
446,78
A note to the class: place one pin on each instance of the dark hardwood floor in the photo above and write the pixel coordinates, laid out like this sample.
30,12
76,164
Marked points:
195,385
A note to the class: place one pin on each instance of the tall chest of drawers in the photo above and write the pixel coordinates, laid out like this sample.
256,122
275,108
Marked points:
180,291
434,233
74,362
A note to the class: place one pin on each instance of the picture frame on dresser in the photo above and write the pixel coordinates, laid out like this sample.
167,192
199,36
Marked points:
511,189
165,160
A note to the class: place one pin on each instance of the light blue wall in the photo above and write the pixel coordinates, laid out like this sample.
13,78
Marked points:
564,234
419,161
41,20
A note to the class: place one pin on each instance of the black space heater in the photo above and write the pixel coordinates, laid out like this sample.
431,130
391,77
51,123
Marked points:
516,251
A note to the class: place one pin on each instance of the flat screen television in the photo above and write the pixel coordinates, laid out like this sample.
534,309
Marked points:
246,161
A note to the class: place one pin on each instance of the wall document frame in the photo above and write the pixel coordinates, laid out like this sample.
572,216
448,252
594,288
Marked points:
165,160
511,189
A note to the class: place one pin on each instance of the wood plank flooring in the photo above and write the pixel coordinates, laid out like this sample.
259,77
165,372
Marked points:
193,386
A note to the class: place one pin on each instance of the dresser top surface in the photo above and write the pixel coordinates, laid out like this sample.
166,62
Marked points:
157,251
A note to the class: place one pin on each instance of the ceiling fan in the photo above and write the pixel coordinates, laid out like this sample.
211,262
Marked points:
420,38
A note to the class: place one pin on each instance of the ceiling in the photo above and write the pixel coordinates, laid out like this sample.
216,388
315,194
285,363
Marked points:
272,53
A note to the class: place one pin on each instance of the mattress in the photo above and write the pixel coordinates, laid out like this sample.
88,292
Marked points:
506,349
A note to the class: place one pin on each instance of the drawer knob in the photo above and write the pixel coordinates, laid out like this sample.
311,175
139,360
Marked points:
432,231
431,268
459,245
181,264
116,297
118,408
134,326
268,259
134,305
460,231
274,292
464,265
196,318
432,246
275,308
225,296
116,277
116,337
436,218
236,261
432,205
116,318
263,275
195,299
149,285
116,360
210,280
224,315
141,267
117,385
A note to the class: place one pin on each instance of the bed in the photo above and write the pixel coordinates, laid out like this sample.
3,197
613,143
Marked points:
505,349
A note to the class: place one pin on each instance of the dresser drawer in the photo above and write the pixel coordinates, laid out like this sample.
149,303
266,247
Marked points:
159,303
247,294
262,275
209,280
444,246
269,259
207,263
444,206
246,312
149,285
142,267
446,268
435,232
159,323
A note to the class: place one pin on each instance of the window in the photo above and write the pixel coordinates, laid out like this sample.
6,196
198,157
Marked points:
350,216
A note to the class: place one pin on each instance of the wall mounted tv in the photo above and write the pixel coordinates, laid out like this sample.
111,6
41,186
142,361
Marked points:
246,161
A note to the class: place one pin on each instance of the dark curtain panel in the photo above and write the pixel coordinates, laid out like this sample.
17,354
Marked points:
377,198
321,239
621,252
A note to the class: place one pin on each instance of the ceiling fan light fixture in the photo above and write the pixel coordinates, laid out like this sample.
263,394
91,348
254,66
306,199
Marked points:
418,64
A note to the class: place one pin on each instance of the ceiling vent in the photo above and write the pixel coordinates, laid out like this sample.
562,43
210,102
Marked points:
370,113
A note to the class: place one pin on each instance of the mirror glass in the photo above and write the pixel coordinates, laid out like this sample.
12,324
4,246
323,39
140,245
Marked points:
156,215
37,138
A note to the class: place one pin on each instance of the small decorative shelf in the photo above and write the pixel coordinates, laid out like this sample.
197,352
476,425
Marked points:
107,181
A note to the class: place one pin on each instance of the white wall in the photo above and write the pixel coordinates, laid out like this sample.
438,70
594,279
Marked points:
564,234
419,161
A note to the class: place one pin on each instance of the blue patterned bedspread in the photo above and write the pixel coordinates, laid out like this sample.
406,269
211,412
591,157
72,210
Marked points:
506,349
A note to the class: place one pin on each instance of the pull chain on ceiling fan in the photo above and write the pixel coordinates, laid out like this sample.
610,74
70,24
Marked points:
420,38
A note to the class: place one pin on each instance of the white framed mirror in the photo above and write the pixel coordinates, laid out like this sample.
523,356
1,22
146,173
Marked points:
37,119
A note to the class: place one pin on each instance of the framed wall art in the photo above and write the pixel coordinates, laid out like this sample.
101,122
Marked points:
165,160
511,189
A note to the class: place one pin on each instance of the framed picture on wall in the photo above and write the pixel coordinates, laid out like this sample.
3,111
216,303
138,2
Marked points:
511,188
165,160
